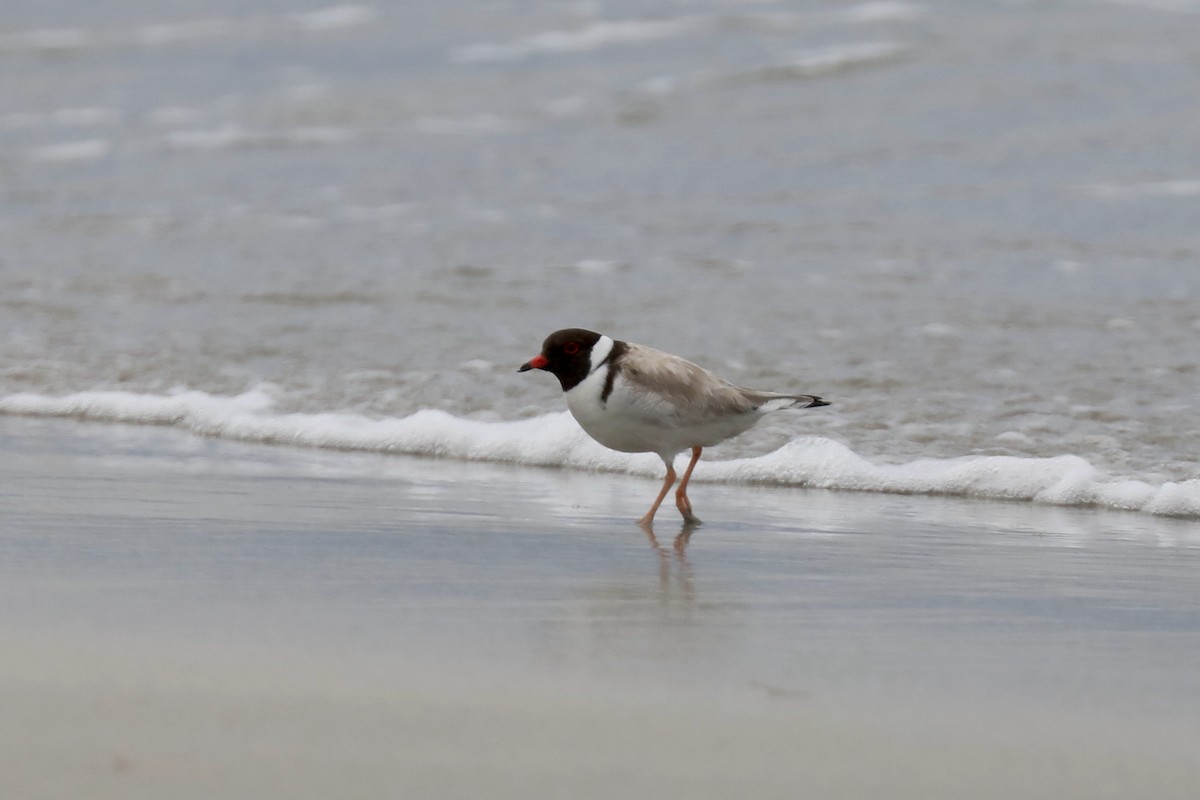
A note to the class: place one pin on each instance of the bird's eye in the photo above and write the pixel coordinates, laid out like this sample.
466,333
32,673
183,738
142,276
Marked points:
571,348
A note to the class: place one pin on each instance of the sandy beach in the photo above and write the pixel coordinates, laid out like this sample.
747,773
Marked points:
192,618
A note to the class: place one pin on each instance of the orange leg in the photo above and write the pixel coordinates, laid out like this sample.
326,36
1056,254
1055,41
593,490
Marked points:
681,499
668,481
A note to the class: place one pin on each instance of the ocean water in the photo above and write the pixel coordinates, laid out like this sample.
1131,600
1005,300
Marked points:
973,226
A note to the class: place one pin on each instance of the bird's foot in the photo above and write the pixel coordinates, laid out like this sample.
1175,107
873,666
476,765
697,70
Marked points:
685,509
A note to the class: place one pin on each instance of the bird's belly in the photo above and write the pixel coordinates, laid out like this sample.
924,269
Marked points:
618,428
623,434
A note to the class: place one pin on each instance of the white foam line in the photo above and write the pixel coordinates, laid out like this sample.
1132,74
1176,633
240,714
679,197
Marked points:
1175,188
231,137
556,440
159,34
479,124
72,152
1177,6
335,18
589,37
837,58
46,40
884,11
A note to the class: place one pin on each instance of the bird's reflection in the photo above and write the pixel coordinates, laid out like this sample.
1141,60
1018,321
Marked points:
675,555
680,543
647,612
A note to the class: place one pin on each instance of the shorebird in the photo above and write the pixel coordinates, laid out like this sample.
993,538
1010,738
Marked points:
636,399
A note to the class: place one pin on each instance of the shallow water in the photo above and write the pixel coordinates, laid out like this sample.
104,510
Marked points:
186,616
972,226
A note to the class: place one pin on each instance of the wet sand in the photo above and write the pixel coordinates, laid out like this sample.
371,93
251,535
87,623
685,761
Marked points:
186,617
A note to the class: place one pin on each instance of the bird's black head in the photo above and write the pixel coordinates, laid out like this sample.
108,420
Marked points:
566,354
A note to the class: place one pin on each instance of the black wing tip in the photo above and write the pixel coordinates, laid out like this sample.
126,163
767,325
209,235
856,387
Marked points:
816,402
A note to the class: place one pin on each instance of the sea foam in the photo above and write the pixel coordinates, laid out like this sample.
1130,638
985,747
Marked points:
555,440
590,37
160,34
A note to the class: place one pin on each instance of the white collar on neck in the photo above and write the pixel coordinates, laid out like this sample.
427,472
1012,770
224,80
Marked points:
600,351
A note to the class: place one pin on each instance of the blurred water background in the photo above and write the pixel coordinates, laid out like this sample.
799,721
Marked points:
973,225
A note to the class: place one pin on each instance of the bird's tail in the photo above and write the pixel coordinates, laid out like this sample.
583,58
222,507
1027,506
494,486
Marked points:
807,401
793,401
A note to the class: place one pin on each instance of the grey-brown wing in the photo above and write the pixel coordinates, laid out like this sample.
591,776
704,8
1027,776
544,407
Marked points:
692,393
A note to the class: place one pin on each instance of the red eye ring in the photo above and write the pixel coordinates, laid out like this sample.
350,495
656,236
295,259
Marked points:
571,348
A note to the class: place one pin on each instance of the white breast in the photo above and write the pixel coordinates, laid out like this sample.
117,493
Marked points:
598,418
633,420
611,423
